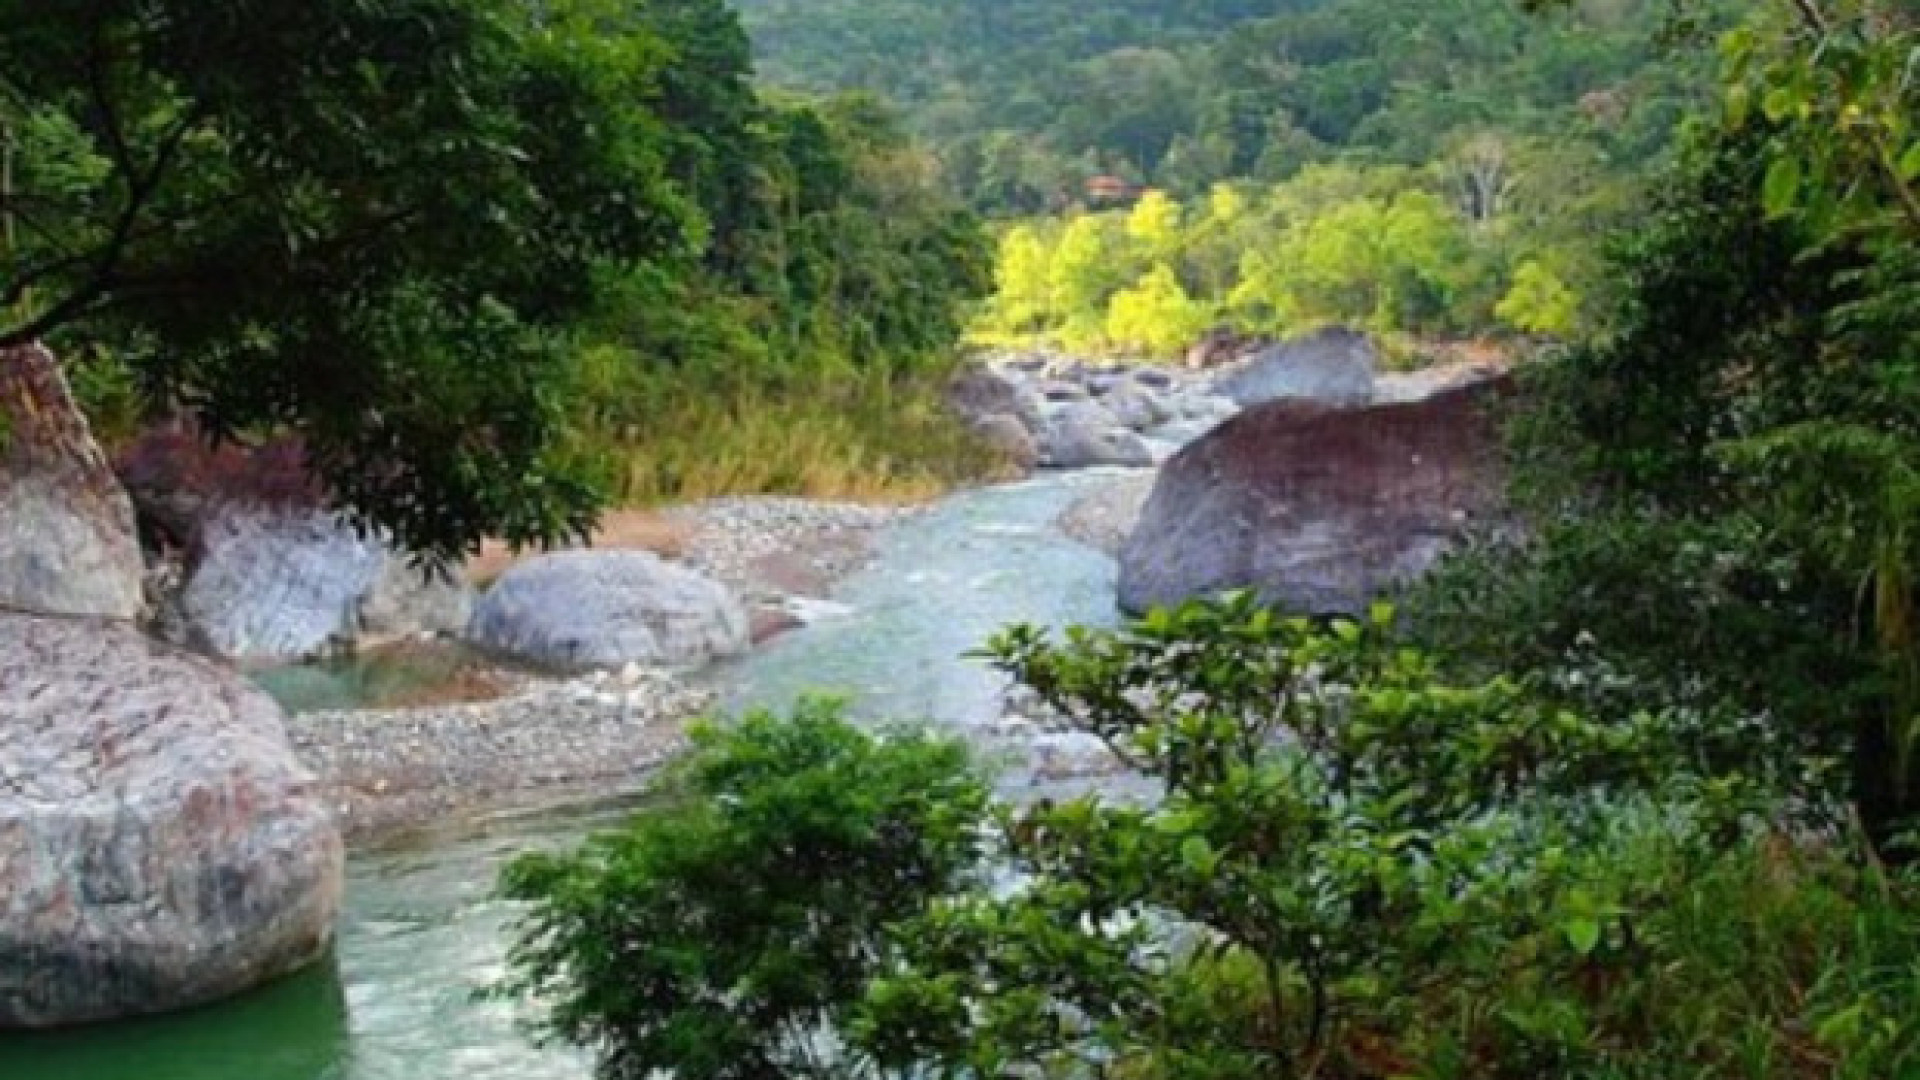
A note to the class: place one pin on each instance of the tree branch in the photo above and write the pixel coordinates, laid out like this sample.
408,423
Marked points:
1811,14
106,115
141,187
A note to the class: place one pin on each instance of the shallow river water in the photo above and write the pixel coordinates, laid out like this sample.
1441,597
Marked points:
422,935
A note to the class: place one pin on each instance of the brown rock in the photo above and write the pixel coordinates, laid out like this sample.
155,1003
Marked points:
1008,437
979,391
766,622
1318,508
67,539
1223,345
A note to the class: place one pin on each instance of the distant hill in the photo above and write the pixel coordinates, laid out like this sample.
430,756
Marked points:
1027,99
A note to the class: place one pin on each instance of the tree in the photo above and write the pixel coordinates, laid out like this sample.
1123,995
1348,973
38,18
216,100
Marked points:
1024,299
368,225
1087,268
1384,263
1155,314
1155,225
1766,397
1344,841
1481,170
1539,302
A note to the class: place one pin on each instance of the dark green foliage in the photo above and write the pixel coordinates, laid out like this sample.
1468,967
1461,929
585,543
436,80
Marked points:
371,224
1029,98
728,930
1340,829
412,234
1359,869
1724,486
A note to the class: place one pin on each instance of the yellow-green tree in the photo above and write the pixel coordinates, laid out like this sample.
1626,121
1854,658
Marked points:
1214,242
1386,264
1155,225
1539,302
1088,266
1156,314
1025,299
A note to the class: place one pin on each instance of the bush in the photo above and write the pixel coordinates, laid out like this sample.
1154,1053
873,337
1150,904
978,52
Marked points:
1342,832
724,933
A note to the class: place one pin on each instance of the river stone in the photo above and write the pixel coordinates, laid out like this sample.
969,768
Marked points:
979,391
1058,390
1422,384
409,598
277,584
1332,366
1221,345
270,584
1136,407
160,845
1105,516
578,610
1008,436
1319,509
67,539
1085,434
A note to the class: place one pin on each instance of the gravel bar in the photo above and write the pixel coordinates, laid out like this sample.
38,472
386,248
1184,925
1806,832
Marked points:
559,742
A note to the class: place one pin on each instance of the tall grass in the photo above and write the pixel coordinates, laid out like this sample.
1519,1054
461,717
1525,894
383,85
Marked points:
816,430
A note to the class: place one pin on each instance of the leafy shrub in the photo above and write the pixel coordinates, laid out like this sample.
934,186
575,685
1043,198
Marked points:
725,933
1342,831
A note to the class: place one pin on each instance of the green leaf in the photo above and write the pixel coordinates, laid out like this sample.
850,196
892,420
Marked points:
1739,106
1779,103
1583,934
1910,163
1781,189
1198,855
1843,1027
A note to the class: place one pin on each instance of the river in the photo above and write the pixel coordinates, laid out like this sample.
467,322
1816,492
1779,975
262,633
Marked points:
422,934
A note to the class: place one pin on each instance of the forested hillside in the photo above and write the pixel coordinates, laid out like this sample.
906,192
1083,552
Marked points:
1424,169
1027,98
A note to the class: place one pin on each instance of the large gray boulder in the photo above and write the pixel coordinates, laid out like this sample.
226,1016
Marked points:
160,845
1318,509
67,539
1333,366
578,610
268,584
1422,384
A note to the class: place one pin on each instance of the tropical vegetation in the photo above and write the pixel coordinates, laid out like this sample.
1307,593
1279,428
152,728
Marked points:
456,248
1628,790
1428,170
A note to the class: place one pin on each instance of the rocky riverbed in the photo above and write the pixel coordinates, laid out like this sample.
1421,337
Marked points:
550,740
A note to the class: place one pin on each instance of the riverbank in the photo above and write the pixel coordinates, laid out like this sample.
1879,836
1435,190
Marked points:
553,742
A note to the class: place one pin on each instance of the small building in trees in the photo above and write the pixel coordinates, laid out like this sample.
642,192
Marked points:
1107,189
